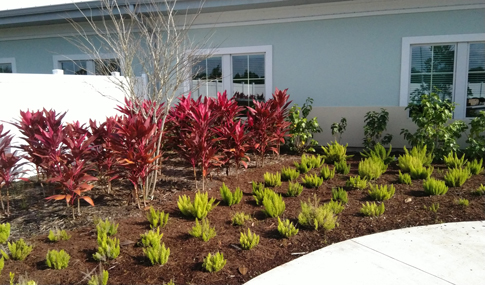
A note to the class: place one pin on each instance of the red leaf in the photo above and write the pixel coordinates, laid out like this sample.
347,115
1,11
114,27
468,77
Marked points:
87,199
56,197
24,179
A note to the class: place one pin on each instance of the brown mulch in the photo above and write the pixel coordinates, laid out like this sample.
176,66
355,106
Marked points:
32,218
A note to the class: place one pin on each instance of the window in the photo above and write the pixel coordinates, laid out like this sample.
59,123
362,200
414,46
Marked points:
451,66
244,73
7,65
85,65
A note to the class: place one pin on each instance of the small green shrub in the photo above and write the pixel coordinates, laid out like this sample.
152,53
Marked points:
249,240
452,160
257,186
272,180
335,206
157,254
286,228
302,128
22,280
420,172
339,194
456,177
260,194
422,154
480,190
108,248
381,193
240,218
301,167
151,238
371,168
214,263
379,152
229,197
157,218
99,279
57,235
19,250
356,182
475,166
462,202
375,125
289,174
342,167
434,187
326,173
315,216
406,161
200,208
312,181
4,232
315,161
294,189
273,204
335,152
106,227
2,264
404,178
433,208
57,259
203,231
372,209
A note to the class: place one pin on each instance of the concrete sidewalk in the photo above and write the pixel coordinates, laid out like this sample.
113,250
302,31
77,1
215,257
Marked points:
451,253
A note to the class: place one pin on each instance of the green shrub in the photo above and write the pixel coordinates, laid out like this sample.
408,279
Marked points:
326,173
339,194
338,129
240,218
229,197
272,180
420,172
312,181
381,193
356,182
475,166
476,138
214,263
106,227
289,174
260,194
342,167
249,240
4,232
200,208
302,129
2,264
286,228
302,167
19,250
203,231
294,189
462,202
480,190
273,204
315,161
433,208
108,248
456,177
452,160
57,235
335,206
257,186
22,280
371,168
404,178
418,156
375,125
151,238
315,216
157,218
407,161
379,152
57,259
372,209
99,279
434,187
157,254
335,152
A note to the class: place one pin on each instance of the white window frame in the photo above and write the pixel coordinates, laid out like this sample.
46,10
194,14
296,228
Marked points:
460,72
11,61
227,75
56,59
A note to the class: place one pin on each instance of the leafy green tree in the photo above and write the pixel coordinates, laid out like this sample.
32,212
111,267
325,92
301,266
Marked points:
302,128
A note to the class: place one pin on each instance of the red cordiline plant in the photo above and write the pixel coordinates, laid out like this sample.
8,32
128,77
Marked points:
235,144
280,106
261,120
10,166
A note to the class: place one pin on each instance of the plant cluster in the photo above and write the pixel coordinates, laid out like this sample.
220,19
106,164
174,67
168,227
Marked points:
289,174
4,232
214,263
302,129
381,193
99,279
404,178
203,231
356,182
157,218
106,228
326,173
342,167
371,168
418,156
338,129
475,166
286,228
316,216
21,281
456,177
375,126
249,240
312,181
157,254
462,202
420,172
335,206
19,250
372,209
272,180
260,193
434,187
199,208
240,218
379,152
108,248
57,235
57,259
273,204
151,238
452,160
308,162
294,189
229,197
480,191
335,152
433,208
339,194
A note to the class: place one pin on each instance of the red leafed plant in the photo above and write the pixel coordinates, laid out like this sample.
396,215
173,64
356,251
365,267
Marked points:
10,166
280,106
261,121
72,167
235,144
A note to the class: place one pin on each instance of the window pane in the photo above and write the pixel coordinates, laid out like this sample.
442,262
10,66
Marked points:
5,68
432,70
248,77
476,79
207,77
77,67
106,66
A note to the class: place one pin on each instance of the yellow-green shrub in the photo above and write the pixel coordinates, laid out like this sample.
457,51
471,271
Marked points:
151,238
229,197
356,182
157,254
326,173
4,232
342,167
249,240
58,235
372,209
108,248
106,227
214,263
312,181
260,194
99,279
381,193
480,190
57,259
273,204
404,178
19,250
203,230
339,194
315,216
294,189
420,172
157,218
335,152
240,218
272,180
452,160
475,166
456,177
371,168
286,228
289,174
434,187
200,208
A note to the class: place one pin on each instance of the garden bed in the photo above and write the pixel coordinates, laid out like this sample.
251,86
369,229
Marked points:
33,217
